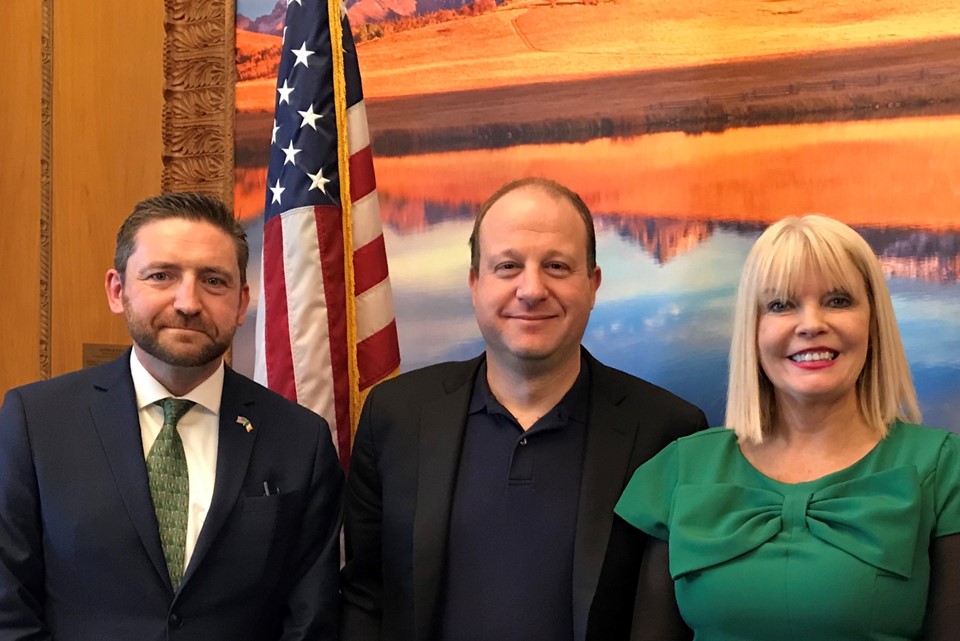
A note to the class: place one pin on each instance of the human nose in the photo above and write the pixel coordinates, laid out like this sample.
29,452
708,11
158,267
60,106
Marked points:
187,300
531,287
811,321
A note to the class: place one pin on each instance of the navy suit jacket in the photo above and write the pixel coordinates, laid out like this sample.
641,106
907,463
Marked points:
80,553
400,493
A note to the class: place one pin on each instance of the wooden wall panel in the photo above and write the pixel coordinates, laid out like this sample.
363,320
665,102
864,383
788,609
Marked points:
20,192
108,87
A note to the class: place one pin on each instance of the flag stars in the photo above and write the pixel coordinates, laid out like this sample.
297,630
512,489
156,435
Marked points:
277,190
309,118
318,181
302,55
291,154
273,136
285,92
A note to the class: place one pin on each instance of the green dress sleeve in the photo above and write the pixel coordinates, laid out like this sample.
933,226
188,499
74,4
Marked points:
947,489
648,498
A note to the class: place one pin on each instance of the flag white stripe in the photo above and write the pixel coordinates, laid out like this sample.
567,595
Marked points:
358,136
366,220
374,309
307,313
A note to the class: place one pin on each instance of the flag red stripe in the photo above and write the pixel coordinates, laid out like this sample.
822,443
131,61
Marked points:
277,354
370,265
330,236
362,180
378,355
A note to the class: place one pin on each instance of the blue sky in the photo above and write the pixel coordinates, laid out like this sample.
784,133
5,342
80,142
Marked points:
253,9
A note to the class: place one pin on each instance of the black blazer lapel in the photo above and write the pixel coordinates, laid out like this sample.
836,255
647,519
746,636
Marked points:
442,424
114,414
610,436
234,449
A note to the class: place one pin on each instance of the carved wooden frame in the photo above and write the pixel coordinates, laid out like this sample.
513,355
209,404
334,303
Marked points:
46,187
199,86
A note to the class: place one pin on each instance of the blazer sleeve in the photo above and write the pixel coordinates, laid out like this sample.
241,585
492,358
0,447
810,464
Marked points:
21,548
361,580
313,605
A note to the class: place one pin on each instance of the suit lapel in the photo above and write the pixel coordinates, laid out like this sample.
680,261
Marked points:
610,433
442,424
114,413
234,448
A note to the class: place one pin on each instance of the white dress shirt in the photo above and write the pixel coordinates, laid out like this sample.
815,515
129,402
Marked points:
198,429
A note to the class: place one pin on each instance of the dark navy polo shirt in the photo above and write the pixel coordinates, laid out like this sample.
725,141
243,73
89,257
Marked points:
514,520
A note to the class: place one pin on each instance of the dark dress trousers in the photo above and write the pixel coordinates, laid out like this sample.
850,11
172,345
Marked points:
402,480
80,553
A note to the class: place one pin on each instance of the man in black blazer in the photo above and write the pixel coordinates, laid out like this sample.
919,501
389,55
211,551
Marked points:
82,555
479,504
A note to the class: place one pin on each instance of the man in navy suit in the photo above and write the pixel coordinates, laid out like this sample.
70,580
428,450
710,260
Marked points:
479,505
82,555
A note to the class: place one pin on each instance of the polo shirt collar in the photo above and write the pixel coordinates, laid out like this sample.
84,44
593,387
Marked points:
573,406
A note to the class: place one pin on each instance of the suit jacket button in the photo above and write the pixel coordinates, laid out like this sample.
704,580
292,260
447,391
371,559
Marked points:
176,621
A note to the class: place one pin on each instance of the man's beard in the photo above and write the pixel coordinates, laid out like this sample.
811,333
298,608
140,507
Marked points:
149,341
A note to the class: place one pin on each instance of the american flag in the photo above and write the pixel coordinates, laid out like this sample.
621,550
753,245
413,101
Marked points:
326,330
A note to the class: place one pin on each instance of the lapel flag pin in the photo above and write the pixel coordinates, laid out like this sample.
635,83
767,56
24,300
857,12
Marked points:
247,425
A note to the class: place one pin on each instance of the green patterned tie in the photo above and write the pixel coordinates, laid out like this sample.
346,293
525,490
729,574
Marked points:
170,487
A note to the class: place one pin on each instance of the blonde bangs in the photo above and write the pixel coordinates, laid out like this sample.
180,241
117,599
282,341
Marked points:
798,252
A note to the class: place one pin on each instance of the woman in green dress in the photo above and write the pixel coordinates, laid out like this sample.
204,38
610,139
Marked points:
822,512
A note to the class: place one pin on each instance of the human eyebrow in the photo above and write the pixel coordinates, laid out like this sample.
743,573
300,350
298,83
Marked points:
160,266
155,269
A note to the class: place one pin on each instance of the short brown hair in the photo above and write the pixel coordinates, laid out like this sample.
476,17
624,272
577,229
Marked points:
190,206
551,188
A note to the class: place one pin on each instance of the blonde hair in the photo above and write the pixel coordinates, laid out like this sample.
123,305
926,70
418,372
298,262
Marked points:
782,257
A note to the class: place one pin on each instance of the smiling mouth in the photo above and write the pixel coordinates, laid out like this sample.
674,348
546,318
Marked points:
813,357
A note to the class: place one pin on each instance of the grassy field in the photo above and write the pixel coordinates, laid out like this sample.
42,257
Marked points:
912,78
526,41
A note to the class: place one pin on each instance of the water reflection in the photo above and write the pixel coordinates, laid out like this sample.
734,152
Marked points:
873,173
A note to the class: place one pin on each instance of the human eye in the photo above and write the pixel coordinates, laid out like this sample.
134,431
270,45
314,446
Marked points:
556,266
216,281
158,277
778,306
839,300
506,268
